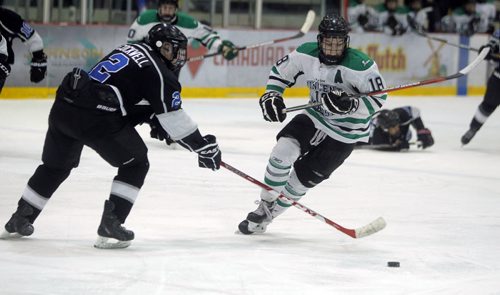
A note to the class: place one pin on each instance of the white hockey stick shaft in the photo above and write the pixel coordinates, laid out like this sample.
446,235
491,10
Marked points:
371,228
459,74
311,15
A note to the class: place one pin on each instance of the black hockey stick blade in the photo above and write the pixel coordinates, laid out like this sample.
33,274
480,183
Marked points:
459,74
417,144
311,15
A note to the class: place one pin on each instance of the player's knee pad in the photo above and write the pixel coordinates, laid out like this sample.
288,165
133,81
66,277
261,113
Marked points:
134,173
310,176
285,152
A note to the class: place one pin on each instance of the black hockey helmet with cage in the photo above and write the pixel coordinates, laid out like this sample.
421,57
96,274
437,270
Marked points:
332,26
387,119
163,34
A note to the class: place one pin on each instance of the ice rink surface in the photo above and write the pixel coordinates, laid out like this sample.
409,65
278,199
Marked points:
442,207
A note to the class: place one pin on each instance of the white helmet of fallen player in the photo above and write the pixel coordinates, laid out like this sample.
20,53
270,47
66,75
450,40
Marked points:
333,39
171,43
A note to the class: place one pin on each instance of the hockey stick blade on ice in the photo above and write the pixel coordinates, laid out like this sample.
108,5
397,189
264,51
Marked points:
369,229
311,15
459,74
417,144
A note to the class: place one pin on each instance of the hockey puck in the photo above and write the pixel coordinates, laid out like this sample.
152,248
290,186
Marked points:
393,264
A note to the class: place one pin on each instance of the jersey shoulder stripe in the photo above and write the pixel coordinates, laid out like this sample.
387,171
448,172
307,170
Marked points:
147,17
309,48
186,21
357,60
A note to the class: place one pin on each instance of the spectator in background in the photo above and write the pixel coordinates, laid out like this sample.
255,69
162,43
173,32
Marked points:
418,17
392,18
489,10
361,17
465,20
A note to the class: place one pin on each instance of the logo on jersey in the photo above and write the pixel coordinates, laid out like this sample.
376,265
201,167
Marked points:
365,62
176,100
27,30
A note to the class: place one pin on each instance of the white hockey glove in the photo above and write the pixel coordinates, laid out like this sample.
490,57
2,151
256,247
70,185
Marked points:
272,106
338,102
209,155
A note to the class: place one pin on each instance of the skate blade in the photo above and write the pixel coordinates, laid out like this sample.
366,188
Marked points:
5,235
103,243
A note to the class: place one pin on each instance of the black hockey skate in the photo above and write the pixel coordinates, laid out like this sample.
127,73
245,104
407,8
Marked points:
258,220
111,228
467,137
19,225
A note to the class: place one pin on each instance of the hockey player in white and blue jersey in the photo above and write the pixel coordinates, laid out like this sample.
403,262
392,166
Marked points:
316,142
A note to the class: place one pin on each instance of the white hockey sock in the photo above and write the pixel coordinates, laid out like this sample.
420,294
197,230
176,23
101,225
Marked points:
293,189
282,157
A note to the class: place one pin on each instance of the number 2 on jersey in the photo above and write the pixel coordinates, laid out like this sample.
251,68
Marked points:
114,63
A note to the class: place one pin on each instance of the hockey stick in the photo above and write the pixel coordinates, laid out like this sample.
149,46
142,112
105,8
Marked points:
311,15
417,144
419,31
371,228
459,74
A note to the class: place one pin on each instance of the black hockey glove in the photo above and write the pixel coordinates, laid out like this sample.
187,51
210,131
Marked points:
157,131
395,26
494,49
38,66
209,155
425,136
228,50
4,70
338,102
272,106
362,19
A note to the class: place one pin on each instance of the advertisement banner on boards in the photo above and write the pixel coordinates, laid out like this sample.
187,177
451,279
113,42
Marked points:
400,59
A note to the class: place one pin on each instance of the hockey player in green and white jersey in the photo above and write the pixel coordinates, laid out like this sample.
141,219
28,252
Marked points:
317,141
168,13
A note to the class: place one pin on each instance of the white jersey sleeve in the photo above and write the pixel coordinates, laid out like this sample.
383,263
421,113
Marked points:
189,26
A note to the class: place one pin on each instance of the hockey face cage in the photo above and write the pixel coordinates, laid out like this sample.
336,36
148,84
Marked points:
333,39
175,53
332,48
